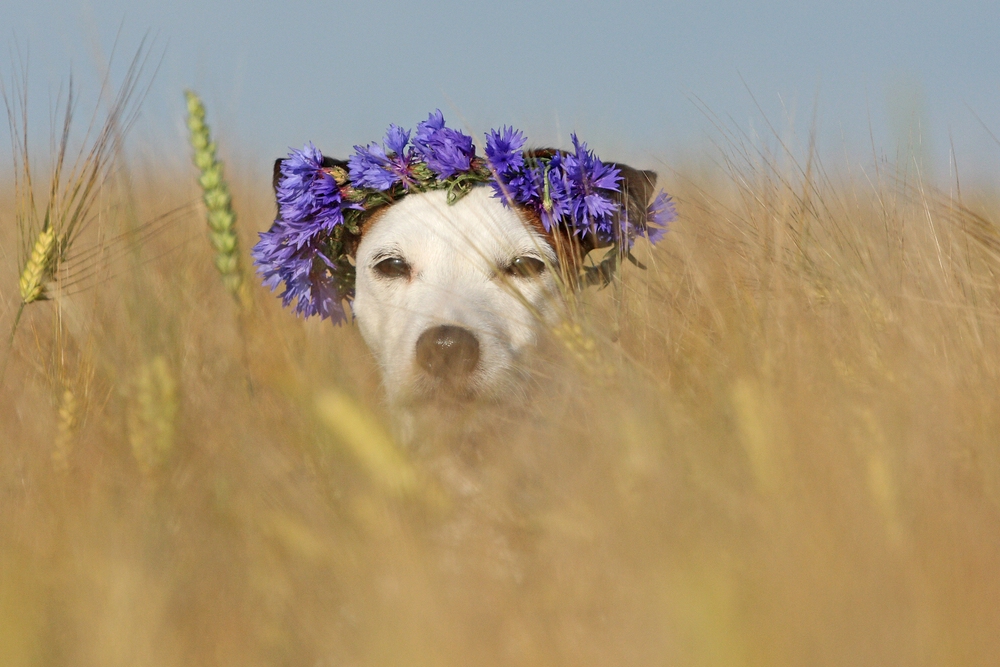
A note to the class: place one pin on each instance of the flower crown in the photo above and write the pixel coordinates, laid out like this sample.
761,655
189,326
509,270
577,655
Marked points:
322,203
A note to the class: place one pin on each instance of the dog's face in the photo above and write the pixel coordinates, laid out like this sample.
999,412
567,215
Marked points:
451,298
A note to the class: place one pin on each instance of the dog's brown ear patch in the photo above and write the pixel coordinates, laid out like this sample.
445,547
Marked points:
276,176
638,187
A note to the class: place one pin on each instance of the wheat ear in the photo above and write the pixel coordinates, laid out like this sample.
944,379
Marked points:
38,267
37,270
66,430
151,421
218,202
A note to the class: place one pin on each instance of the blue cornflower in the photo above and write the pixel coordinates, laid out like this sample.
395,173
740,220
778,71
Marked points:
541,186
659,215
310,206
586,177
503,150
381,168
446,151
309,201
522,186
555,201
367,168
304,270
396,139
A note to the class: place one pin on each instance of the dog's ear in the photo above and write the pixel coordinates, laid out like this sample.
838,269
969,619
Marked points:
638,187
277,174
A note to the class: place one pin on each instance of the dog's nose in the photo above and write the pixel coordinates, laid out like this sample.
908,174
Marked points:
447,351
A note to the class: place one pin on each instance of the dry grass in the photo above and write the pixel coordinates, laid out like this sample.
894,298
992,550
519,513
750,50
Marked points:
778,446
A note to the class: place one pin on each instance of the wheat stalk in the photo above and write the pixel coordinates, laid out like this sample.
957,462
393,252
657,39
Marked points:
368,442
218,202
48,232
365,438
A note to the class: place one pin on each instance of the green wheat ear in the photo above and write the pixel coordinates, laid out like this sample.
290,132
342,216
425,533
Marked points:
218,202
153,414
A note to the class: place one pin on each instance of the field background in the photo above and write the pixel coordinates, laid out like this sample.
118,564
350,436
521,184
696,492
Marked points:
776,446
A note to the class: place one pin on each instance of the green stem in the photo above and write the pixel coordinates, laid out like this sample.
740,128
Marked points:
10,340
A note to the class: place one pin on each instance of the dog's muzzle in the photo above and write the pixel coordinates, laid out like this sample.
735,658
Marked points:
448,352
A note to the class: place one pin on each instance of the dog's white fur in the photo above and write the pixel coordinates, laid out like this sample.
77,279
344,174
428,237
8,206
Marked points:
457,256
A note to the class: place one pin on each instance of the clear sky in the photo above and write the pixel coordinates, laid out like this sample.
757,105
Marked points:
630,77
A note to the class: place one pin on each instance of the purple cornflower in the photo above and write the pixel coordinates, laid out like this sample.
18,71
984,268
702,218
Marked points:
541,186
503,150
310,206
305,271
381,167
586,177
527,186
554,203
522,186
446,151
309,200
659,215
396,139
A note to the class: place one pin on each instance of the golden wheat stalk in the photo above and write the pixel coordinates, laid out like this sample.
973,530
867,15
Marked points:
218,202
363,437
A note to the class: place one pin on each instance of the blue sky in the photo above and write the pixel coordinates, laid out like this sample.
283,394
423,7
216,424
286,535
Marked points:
632,78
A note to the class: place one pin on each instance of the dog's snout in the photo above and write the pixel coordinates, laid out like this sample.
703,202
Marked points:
448,351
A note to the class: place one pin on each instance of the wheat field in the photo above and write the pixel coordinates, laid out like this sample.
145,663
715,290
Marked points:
778,445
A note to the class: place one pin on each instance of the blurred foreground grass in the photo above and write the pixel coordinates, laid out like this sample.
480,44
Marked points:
780,445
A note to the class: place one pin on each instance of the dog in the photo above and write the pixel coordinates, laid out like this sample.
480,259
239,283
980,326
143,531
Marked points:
452,298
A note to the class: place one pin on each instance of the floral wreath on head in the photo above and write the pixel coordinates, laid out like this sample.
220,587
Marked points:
322,203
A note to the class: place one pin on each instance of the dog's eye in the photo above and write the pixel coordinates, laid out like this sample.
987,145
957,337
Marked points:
393,267
526,267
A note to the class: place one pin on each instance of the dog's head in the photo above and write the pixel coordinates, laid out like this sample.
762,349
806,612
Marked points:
452,296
